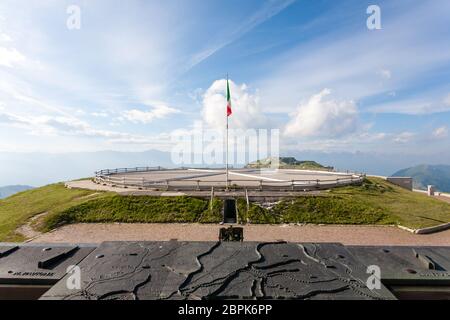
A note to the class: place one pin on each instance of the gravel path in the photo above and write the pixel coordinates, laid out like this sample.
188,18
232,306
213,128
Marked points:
443,198
355,235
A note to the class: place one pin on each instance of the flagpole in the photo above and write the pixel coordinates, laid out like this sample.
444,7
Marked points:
226,114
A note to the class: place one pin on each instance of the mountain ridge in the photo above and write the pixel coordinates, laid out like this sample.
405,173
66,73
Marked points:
288,163
6,191
425,174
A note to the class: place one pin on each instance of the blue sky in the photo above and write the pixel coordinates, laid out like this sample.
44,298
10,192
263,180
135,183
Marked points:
137,72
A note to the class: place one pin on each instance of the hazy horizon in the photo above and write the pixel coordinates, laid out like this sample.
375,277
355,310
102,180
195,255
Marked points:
37,169
88,76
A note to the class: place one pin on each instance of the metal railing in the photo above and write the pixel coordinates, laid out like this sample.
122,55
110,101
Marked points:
127,170
108,177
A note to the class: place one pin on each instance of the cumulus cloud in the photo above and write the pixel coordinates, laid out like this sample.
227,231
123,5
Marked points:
56,125
441,132
5,38
157,112
322,117
101,114
404,137
10,56
245,105
50,126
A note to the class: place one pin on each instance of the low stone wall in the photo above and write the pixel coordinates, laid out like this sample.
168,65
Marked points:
404,182
198,179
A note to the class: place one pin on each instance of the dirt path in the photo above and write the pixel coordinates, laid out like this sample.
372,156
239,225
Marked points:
27,229
356,235
443,198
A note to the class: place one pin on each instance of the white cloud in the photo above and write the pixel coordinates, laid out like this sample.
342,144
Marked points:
385,74
157,112
404,137
10,57
245,105
321,117
352,64
441,132
101,114
413,106
57,126
447,100
5,38
268,10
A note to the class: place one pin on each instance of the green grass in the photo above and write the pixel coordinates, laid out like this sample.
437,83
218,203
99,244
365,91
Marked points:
17,209
287,163
374,202
410,209
327,209
255,214
214,215
63,206
144,209
331,210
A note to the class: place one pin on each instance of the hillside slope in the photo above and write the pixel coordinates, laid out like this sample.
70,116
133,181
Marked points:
288,163
17,209
374,202
424,175
59,205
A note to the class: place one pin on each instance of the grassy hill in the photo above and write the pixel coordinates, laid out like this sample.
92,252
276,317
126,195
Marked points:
59,205
288,163
374,202
17,209
424,175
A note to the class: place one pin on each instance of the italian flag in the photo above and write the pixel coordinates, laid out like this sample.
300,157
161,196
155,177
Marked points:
229,112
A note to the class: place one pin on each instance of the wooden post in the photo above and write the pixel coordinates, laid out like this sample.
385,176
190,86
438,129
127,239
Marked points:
211,199
246,198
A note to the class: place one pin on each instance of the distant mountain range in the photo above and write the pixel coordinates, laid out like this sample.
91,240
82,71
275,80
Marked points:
41,168
288,163
7,191
424,175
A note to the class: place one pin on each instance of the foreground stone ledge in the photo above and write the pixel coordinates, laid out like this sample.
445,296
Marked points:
220,270
434,229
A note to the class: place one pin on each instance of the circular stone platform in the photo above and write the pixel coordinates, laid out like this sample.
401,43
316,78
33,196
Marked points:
205,179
